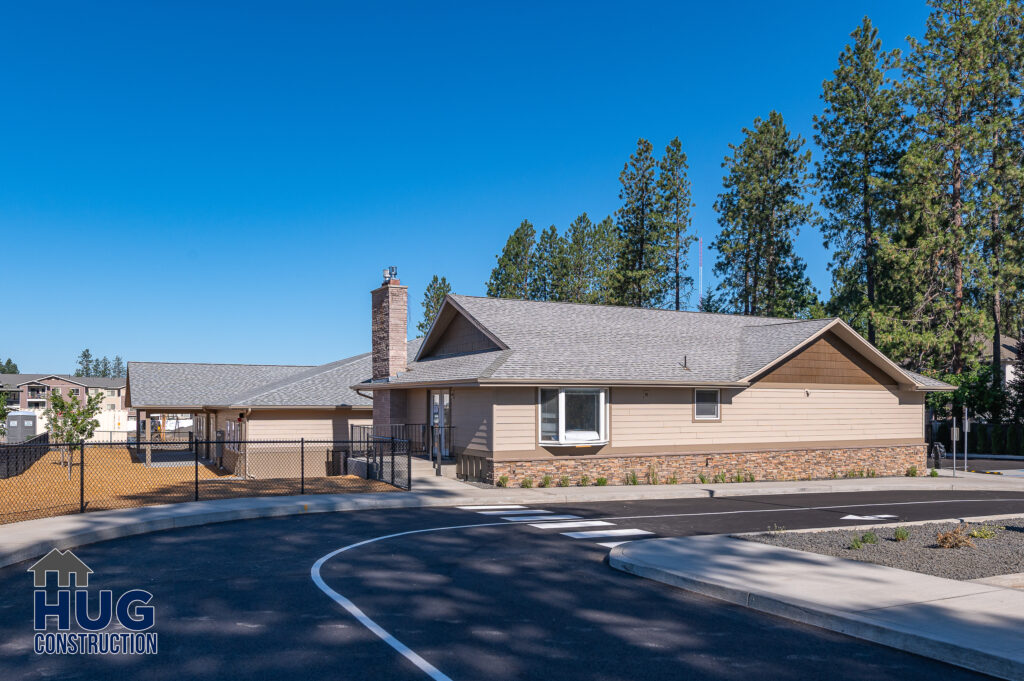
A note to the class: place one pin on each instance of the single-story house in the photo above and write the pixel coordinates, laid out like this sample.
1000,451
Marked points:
1008,359
532,389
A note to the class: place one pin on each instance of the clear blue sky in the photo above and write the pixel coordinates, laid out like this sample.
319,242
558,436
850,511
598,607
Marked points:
213,182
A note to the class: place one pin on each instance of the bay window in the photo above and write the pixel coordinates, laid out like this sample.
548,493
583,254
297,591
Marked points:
571,416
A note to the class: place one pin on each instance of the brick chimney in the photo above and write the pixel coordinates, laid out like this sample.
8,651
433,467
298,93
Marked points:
389,322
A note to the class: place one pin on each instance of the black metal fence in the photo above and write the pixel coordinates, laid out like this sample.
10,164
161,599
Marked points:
50,479
434,442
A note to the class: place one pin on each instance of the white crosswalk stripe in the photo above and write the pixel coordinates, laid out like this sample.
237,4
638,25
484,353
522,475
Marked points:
598,534
525,511
489,508
571,523
612,544
528,518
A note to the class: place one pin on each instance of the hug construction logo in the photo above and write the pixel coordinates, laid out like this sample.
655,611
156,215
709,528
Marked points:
71,607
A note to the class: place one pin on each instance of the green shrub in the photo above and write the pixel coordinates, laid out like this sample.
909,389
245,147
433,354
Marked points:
855,474
869,538
503,481
872,473
632,479
934,473
703,478
750,477
856,544
901,534
738,477
984,532
563,481
720,477
545,481
601,482
912,472
653,475
526,483
673,480
584,480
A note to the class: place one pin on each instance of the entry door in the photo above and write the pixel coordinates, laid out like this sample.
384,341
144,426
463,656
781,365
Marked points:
440,417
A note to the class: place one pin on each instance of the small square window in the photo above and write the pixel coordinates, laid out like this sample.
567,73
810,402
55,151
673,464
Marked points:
706,405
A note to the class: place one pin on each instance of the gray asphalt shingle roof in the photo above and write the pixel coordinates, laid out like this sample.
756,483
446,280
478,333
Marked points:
161,384
11,381
564,341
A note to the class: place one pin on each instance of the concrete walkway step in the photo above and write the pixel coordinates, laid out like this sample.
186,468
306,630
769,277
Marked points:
968,624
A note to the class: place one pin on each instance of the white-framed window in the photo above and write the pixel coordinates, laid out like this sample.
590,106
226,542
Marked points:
570,416
73,392
707,404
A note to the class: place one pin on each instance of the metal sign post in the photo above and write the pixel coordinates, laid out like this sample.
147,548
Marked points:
967,429
954,436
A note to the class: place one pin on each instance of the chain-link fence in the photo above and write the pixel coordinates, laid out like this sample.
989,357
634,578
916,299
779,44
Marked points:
41,478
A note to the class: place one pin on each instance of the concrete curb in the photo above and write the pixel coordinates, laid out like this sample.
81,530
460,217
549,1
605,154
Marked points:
883,523
34,538
822,616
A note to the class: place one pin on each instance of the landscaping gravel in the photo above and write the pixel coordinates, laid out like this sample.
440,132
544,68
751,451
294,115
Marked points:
1001,555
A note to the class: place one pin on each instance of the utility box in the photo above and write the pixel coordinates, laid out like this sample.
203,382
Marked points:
21,426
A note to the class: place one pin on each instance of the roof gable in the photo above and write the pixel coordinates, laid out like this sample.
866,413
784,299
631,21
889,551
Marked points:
828,360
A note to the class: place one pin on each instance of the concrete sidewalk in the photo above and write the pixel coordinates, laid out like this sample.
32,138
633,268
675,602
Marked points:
972,625
32,538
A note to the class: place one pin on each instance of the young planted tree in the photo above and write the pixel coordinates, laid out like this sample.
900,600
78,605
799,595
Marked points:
510,278
546,265
673,211
862,137
70,419
85,364
641,269
437,289
117,369
760,210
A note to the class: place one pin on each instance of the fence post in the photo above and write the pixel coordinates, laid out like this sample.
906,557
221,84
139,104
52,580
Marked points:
408,465
197,473
191,441
392,461
81,477
302,465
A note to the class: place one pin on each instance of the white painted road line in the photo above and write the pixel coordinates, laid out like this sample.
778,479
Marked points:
597,534
528,518
489,508
525,511
612,544
868,517
566,525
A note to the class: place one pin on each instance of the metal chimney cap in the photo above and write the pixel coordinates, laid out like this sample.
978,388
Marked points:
390,273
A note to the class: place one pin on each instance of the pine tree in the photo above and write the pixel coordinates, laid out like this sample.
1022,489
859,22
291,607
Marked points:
760,210
932,323
546,265
711,302
510,278
862,137
1015,386
433,297
673,209
85,364
117,369
587,261
641,267
9,367
1000,201
103,367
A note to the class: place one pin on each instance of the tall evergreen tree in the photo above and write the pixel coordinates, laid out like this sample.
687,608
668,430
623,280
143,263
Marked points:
1015,387
1000,201
510,278
85,364
932,323
711,302
117,369
587,261
434,295
673,210
9,367
103,367
641,268
862,137
545,265
760,210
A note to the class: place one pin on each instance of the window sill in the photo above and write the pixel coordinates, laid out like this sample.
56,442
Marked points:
594,443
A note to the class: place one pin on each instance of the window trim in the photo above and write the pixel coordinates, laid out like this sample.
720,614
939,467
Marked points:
718,405
562,442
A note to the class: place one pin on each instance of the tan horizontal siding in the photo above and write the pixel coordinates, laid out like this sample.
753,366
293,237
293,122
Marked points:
515,418
472,419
